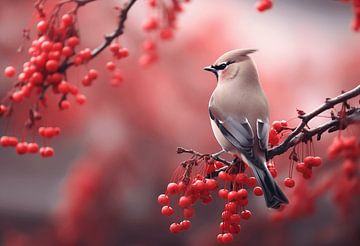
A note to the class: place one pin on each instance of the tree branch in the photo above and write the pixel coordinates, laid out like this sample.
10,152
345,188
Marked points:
300,134
109,37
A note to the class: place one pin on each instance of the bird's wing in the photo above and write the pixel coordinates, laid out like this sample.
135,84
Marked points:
262,132
240,134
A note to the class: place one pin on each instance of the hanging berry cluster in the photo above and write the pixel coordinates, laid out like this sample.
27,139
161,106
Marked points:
52,52
160,25
197,179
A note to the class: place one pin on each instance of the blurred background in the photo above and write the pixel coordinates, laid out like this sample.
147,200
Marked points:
118,151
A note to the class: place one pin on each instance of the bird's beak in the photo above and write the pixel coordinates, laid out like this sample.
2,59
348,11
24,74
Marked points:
210,69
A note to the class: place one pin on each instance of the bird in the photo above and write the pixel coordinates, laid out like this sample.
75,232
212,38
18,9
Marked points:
239,117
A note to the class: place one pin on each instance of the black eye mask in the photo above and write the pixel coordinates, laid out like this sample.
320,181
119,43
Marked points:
222,66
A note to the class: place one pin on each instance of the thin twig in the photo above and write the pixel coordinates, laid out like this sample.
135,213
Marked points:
302,135
109,37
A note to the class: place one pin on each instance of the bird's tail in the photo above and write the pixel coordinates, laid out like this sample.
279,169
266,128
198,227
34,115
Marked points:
274,197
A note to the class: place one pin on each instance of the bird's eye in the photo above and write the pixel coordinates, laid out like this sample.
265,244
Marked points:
222,66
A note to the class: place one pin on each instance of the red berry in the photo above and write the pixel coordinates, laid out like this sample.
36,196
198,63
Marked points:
4,141
199,185
263,5
73,41
235,218
219,238
225,215
316,161
308,161
9,71
46,46
46,151
123,52
86,81
185,224
246,214
33,148
21,148
65,104
274,138
36,78
167,210
12,141
241,178
258,191
67,20
149,45
234,228
64,87
175,228
17,96
223,193
67,51
184,201
188,213
150,24
231,207
172,188
227,238
114,47
52,65
289,182
166,34
93,74
111,66
85,54
163,199
242,193
80,99
251,181
233,195
211,184
300,167
3,109
152,3
42,26
277,126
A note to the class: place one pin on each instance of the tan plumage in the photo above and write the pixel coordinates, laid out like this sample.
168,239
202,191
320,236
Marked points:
237,104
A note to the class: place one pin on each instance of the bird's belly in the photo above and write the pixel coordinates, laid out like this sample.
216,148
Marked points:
225,144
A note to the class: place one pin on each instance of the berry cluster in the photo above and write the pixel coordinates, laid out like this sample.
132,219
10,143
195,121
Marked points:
191,188
160,25
118,53
44,75
275,132
305,167
198,188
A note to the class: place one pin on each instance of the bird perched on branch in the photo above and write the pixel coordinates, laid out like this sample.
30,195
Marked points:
239,117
